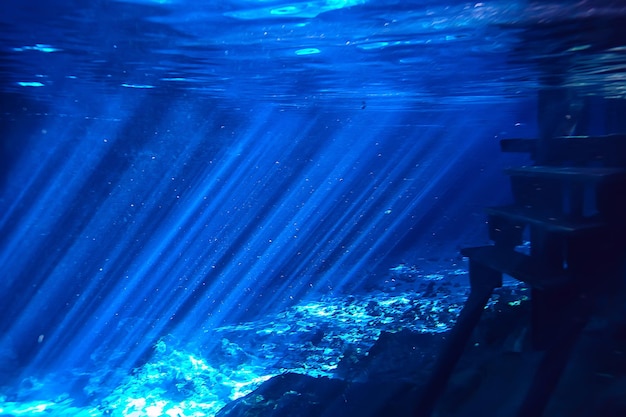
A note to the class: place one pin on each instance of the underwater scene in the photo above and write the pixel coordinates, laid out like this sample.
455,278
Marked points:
375,208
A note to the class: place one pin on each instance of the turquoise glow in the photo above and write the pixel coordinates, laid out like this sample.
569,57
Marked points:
308,51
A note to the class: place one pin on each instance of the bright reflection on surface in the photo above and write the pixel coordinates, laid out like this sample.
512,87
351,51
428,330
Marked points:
307,51
304,9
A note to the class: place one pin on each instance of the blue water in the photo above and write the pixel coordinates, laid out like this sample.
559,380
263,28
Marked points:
193,192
